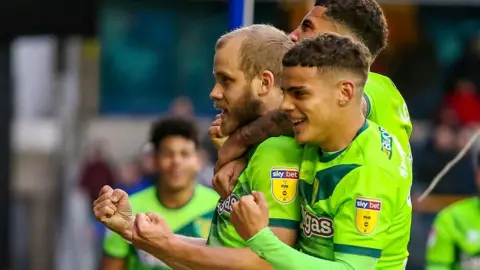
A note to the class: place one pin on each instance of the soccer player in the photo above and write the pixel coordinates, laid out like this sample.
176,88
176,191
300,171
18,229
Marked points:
187,207
362,20
356,210
247,66
454,240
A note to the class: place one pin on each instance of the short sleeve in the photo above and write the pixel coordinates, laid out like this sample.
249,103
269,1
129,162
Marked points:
440,245
115,246
365,202
274,170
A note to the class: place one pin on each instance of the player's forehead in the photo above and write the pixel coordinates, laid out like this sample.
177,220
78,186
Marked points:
298,75
176,143
316,15
227,57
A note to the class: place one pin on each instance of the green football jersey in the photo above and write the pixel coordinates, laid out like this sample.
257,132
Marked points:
454,241
357,201
387,108
192,219
273,169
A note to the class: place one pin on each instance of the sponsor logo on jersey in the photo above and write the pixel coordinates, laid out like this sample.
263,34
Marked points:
226,205
316,226
284,184
367,212
386,142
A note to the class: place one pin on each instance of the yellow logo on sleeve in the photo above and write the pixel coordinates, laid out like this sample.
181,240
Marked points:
367,212
284,184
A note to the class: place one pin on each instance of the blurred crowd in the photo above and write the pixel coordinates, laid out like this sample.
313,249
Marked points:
443,97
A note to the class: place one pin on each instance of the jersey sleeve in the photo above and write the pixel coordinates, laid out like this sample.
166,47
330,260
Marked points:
115,246
365,211
274,170
440,245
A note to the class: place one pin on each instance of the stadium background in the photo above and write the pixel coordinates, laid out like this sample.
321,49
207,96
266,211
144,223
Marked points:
81,77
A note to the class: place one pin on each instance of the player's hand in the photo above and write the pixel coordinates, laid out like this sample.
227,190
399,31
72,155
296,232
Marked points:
151,233
113,209
215,133
227,177
250,215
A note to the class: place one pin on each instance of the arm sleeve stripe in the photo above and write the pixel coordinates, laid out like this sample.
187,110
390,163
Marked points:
369,105
362,251
283,223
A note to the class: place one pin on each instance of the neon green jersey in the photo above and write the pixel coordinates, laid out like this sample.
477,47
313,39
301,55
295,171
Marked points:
272,169
357,201
192,219
454,241
387,108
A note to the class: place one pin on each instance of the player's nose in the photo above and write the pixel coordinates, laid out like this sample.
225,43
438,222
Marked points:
294,36
216,93
287,105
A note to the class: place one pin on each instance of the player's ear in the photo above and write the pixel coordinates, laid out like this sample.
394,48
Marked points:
347,92
267,81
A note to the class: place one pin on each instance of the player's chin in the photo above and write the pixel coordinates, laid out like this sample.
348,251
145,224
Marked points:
228,126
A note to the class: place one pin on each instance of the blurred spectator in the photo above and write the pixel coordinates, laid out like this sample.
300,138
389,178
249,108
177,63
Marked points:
187,207
442,148
468,67
206,171
464,100
131,179
96,171
455,235
182,107
147,162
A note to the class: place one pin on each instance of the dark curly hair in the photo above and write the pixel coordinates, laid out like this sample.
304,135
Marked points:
173,126
364,18
330,51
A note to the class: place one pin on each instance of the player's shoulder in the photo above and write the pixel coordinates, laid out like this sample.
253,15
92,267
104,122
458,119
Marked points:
143,195
383,81
206,195
374,147
461,207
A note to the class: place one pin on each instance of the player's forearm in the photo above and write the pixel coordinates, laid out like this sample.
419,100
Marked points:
204,257
272,124
282,256
192,240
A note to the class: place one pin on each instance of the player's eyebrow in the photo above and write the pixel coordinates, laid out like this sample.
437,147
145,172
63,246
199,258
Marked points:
221,74
293,88
307,23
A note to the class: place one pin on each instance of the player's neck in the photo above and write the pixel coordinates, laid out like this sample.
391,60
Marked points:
174,199
343,132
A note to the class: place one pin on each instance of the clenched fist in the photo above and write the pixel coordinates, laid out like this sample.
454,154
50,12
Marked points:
214,132
250,215
113,209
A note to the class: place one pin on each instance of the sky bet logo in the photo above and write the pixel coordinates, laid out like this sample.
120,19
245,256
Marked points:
284,174
369,204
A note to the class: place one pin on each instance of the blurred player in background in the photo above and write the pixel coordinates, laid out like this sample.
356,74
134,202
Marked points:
362,20
356,209
454,240
247,67
186,206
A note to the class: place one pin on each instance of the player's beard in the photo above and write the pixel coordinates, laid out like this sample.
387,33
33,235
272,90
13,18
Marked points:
245,110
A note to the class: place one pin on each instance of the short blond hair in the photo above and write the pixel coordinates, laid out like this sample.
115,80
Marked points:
263,47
